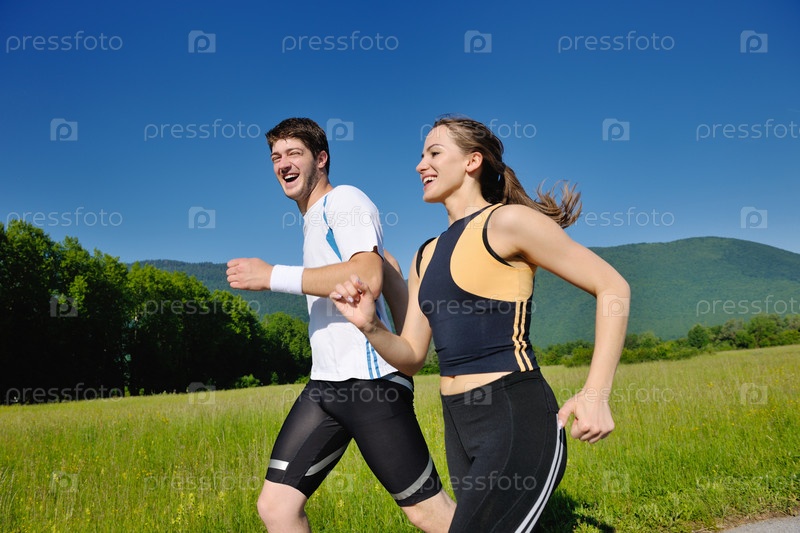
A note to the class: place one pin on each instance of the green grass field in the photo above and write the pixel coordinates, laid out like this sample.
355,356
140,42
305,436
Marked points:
699,443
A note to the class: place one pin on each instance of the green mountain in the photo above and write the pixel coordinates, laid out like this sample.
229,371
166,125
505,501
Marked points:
674,285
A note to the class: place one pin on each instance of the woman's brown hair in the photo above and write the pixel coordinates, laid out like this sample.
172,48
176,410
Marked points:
499,183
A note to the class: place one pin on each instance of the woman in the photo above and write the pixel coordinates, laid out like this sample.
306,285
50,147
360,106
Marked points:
471,288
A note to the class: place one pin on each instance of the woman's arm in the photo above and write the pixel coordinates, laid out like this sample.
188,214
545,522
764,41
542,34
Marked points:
521,233
406,352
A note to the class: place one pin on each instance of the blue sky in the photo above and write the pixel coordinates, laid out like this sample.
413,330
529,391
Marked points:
125,125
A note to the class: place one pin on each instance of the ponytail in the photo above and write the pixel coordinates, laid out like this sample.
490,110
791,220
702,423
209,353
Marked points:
499,183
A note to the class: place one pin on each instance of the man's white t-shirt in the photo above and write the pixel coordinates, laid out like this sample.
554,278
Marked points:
339,225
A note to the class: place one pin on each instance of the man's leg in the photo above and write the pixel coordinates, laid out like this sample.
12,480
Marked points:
379,414
308,446
282,508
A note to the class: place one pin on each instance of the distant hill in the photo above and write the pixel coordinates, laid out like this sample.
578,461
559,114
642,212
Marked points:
675,285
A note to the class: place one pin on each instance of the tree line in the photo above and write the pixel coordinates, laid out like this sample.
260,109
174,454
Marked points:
75,325
760,331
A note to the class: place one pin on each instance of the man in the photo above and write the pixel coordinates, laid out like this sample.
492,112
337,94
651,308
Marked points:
352,392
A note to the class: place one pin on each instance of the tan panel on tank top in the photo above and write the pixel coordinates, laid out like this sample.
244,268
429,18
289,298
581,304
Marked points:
475,270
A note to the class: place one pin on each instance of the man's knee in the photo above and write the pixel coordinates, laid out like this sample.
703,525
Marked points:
280,504
433,514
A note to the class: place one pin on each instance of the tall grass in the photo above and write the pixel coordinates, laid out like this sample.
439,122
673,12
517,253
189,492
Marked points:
699,443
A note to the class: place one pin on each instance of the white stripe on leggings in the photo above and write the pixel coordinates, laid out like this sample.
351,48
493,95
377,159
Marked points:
533,515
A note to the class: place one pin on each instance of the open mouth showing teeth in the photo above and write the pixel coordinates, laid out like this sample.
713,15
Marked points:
427,180
289,178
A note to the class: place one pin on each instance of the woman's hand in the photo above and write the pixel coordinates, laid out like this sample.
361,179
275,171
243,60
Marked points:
355,301
593,420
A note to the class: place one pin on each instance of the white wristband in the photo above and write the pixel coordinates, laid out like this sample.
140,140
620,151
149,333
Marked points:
286,279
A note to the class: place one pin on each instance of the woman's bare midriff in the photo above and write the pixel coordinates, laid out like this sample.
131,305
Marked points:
449,385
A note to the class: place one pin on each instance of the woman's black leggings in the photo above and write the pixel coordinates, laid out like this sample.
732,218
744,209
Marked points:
505,453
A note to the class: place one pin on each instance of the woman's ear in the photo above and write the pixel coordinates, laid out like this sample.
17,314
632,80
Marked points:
474,161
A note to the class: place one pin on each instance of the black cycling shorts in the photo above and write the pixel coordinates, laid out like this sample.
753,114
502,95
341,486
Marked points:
505,453
378,414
